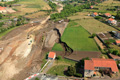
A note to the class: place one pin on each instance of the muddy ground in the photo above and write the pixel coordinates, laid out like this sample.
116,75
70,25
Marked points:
19,60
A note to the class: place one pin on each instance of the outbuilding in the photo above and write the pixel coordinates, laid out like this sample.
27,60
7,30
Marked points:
51,55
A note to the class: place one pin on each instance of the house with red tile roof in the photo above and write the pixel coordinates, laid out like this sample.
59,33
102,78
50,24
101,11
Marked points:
94,14
117,42
112,21
107,14
2,9
96,64
91,7
51,55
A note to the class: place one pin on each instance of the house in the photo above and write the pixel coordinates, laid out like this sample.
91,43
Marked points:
107,14
117,34
117,42
91,7
95,14
2,9
114,57
112,21
95,64
51,55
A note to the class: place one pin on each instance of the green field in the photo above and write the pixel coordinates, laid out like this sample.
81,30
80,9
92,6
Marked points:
58,69
78,39
57,47
60,66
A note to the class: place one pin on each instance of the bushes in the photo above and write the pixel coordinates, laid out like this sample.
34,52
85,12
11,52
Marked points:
53,6
71,70
59,58
98,17
93,35
78,75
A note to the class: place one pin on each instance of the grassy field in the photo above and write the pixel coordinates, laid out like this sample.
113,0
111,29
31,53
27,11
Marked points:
78,39
60,67
90,24
57,47
4,33
102,7
58,70
29,6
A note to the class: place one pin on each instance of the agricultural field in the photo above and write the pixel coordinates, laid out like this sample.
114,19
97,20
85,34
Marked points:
77,38
29,6
102,7
90,24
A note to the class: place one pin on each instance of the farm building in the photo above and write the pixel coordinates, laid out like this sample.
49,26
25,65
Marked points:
94,14
107,14
51,55
117,42
95,64
112,21
2,9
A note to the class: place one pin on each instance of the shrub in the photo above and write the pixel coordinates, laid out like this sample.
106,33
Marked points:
36,78
59,58
78,75
71,70
93,35
98,17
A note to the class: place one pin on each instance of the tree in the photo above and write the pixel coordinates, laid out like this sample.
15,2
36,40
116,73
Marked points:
118,14
59,58
36,78
1,16
115,52
71,70
78,75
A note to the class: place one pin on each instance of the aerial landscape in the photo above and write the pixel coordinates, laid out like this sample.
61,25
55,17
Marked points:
59,39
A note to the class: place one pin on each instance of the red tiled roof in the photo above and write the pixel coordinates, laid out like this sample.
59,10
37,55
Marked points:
2,8
51,54
89,65
91,6
117,41
107,14
95,13
98,62
110,19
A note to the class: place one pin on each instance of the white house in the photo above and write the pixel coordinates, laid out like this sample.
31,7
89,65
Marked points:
51,55
112,21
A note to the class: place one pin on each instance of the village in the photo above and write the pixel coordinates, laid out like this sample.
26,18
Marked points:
59,40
